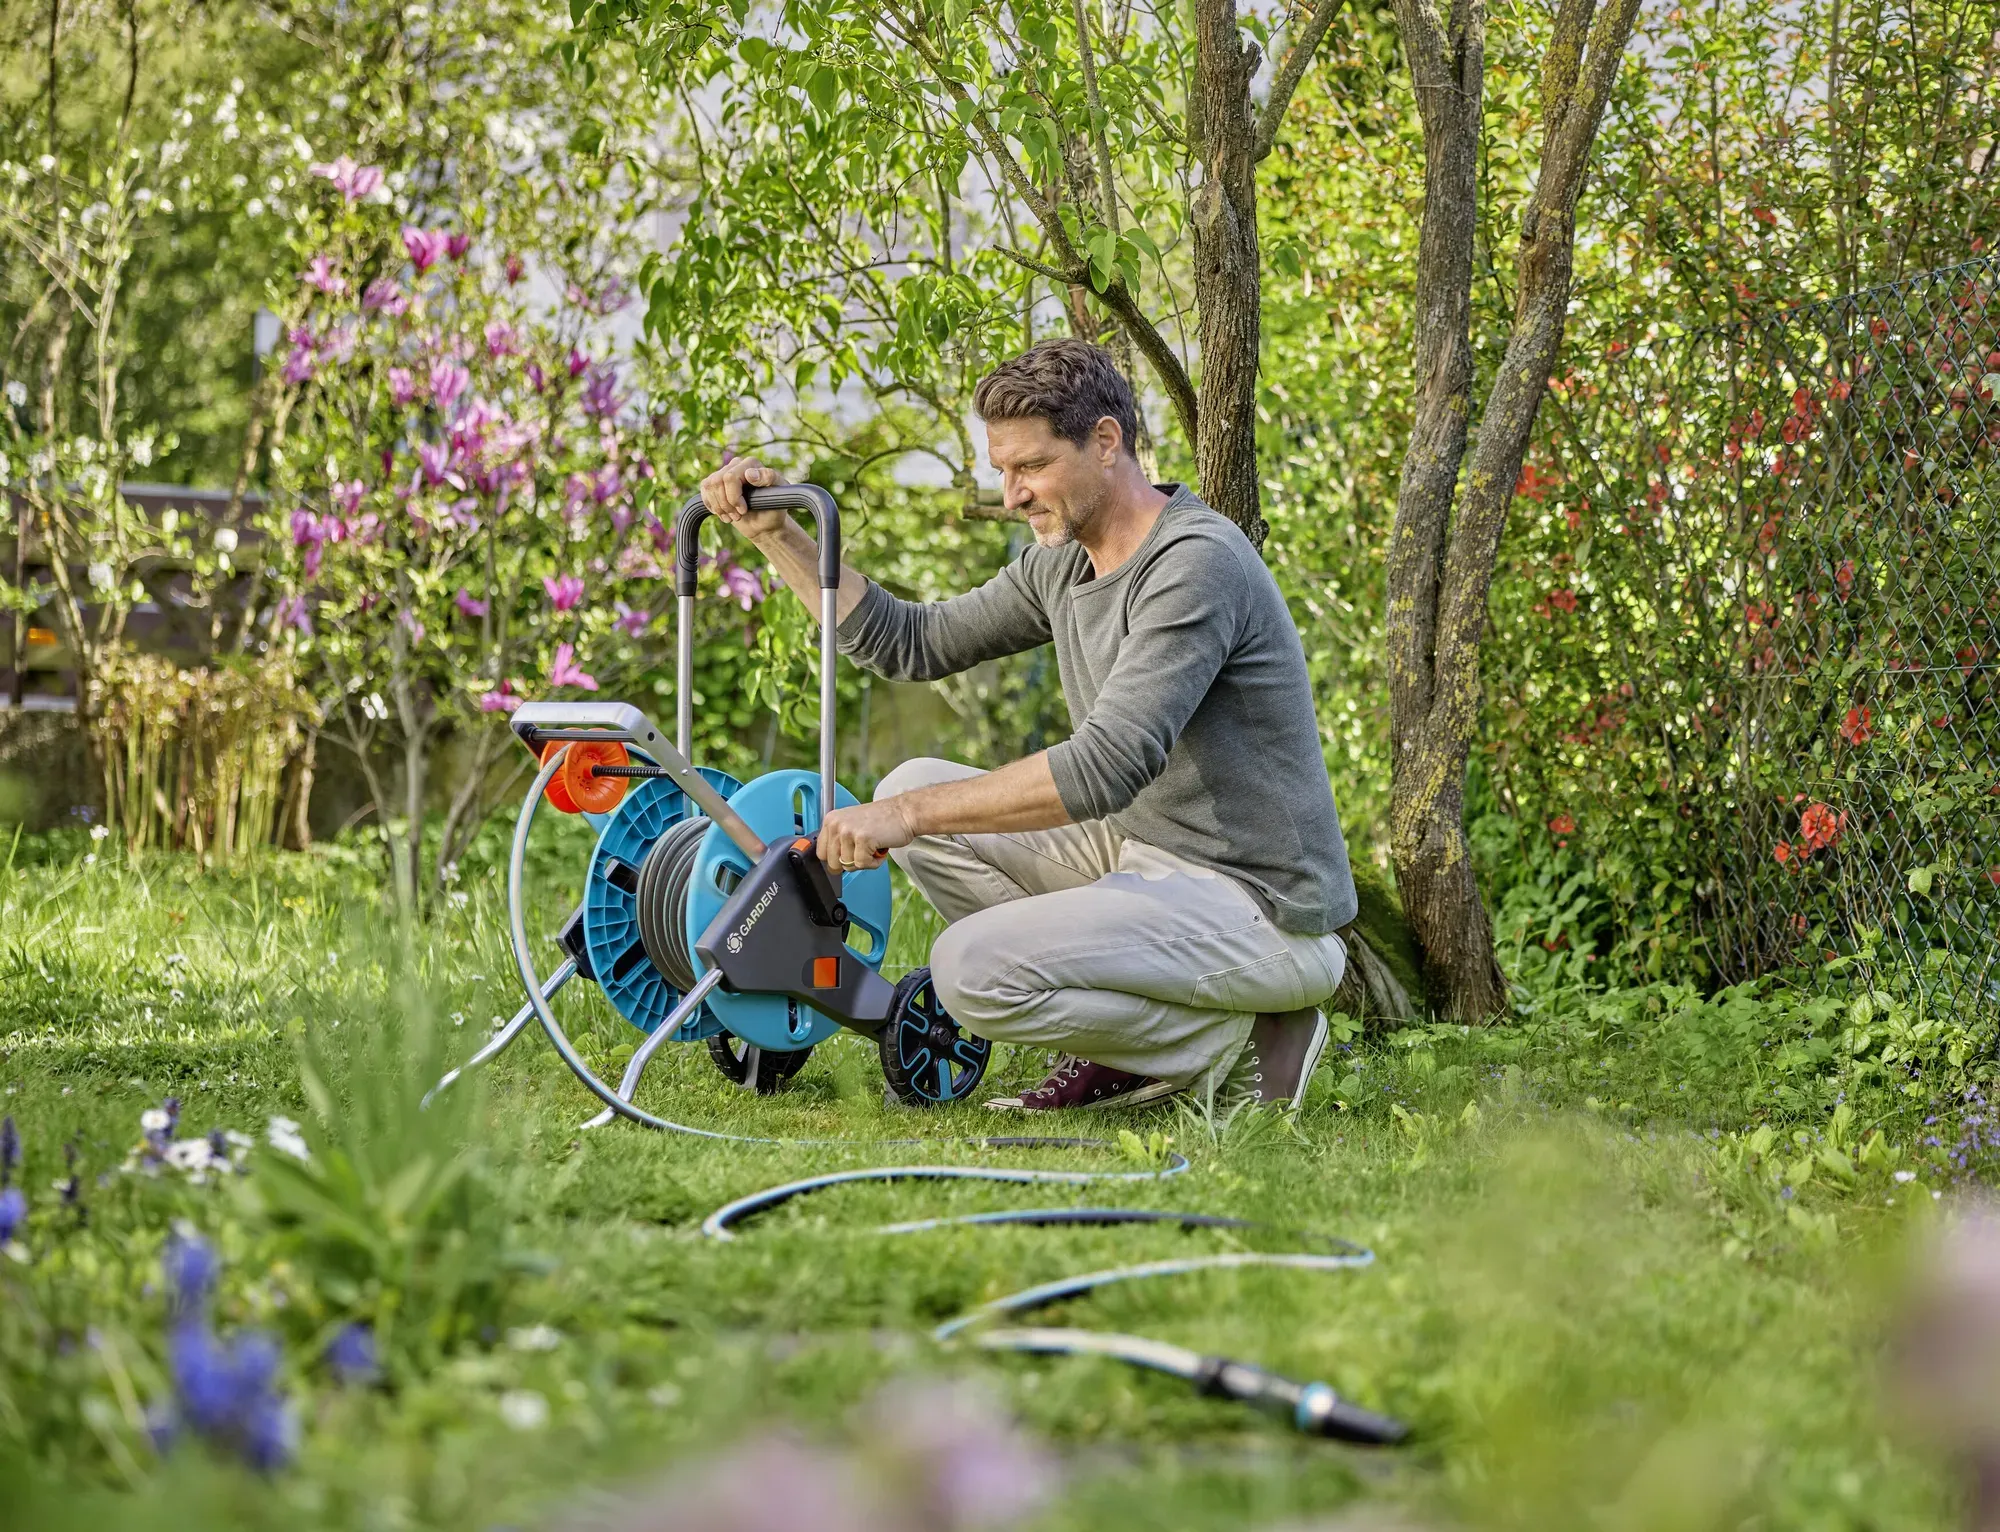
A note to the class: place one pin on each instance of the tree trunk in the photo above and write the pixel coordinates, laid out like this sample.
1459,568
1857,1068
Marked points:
1426,818
1440,564
1226,276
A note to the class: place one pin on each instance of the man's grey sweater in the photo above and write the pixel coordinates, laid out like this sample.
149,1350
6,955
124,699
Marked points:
1190,708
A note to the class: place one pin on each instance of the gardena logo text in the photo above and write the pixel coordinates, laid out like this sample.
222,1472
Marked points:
735,942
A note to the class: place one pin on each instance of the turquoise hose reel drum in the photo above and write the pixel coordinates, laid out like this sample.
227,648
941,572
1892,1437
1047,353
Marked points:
706,914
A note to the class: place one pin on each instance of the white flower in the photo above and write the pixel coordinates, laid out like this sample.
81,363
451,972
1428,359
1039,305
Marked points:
535,1338
524,1409
46,163
17,392
175,959
282,1134
100,576
1903,1176
142,451
237,1140
225,539
190,1154
98,832
154,1120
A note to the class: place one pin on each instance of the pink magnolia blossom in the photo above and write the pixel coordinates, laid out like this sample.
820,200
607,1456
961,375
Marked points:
413,627
306,529
468,605
576,490
346,495
743,584
501,339
303,360
352,181
661,534
502,699
309,565
565,591
338,347
435,466
402,388
537,379
426,247
367,528
632,623
291,613
457,243
322,275
600,399
449,382
514,268
577,361
621,518
385,295
566,672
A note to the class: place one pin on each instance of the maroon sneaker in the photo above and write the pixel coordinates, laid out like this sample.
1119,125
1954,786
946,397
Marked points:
1080,1086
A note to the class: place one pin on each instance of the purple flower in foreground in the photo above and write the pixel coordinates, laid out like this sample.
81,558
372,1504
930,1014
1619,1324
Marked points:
630,622
13,1212
456,244
190,1266
514,268
565,591
449,381
468,605
351,1354
402,387
291,613
321,274
385,295
566,672
426,247
577,361
229,1393
352,181
501,339
346,495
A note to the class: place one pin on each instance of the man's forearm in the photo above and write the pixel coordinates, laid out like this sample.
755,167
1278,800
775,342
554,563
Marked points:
1019,796
795,555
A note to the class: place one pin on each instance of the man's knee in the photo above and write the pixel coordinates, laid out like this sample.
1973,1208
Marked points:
967,967
921,771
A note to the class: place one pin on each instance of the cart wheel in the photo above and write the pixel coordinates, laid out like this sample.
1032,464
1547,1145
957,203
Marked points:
926,1059
764,1070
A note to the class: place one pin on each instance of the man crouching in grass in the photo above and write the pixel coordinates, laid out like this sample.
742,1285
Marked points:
1157,895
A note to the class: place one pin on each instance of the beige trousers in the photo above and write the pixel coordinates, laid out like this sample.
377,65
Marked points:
1118,952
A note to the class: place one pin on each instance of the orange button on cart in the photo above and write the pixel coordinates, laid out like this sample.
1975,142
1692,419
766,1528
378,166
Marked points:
826,973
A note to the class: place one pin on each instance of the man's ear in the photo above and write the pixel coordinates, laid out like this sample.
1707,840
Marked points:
1108,440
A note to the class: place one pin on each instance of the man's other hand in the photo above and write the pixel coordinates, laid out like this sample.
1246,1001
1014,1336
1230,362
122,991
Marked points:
859,837
723,492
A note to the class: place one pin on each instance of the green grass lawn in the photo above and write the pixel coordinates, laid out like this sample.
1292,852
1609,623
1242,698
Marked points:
1598,1298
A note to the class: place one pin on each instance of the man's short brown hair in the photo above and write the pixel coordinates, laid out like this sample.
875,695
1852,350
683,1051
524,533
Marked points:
1069,383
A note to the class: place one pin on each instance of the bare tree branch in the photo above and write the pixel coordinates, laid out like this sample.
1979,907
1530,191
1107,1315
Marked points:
1291,70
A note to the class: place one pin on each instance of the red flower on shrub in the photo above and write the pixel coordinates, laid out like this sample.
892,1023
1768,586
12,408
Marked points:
1783,852
1563,600
1993,876
1820,827
1843,578
1562,824
1858,727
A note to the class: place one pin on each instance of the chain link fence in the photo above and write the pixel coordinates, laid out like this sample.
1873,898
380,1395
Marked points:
1786,538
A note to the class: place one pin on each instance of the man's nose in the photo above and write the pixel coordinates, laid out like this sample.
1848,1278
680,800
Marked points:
1014,493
